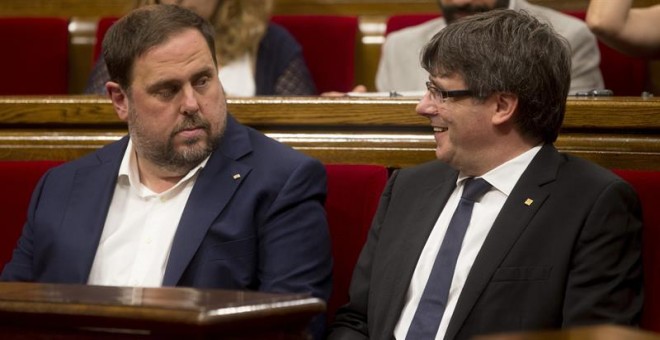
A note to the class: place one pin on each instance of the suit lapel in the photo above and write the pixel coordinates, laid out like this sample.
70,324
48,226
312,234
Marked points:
213,190
509,224
419,222
92,190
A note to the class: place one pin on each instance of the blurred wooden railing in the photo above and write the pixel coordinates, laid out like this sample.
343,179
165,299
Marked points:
619,132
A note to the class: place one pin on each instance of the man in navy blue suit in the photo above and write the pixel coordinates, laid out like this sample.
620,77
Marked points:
190,197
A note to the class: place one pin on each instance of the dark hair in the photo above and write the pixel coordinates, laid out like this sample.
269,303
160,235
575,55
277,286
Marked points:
513,52
146,27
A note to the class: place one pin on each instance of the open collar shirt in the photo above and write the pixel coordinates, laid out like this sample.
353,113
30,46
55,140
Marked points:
503,179
139,228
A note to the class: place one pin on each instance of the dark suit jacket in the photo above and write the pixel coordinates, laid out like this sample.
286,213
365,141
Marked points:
572,257
263,231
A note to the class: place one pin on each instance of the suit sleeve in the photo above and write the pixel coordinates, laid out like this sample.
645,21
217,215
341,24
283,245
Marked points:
294,242
605,282
351,321
294,251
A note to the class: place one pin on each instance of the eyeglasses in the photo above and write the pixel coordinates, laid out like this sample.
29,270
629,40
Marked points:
438,94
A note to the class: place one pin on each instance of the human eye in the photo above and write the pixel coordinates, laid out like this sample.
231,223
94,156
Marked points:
166,92
202,81
435,92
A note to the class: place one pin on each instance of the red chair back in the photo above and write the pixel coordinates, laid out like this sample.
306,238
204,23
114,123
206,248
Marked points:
647,185
328,44
353,195
35,58
18,179
103,26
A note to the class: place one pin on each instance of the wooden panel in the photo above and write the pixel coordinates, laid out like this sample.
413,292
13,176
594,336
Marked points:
615,132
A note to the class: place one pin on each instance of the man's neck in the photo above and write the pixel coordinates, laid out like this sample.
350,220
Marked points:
157,178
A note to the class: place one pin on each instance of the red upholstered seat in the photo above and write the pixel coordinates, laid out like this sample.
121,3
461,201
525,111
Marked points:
103,26
624,75
18,178
35,56
328,44
647,185
397,22
353,195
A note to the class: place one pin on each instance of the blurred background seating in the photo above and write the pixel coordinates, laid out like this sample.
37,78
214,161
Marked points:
35,55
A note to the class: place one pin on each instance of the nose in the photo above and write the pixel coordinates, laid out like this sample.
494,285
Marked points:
189,104
427,106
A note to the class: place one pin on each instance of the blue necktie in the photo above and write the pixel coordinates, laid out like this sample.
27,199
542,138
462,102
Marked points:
432,305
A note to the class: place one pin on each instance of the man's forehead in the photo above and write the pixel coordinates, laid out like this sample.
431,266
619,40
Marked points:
447,78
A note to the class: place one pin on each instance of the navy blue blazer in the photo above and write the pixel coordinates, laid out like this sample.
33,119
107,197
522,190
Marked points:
265,230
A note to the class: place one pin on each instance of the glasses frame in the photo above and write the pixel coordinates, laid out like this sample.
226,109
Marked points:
444,95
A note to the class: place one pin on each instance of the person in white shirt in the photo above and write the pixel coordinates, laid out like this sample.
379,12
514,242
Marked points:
255,56
399,68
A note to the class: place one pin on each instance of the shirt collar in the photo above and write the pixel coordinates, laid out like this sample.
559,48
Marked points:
129,175
505,176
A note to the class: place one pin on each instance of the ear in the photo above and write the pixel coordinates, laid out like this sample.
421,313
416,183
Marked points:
506,106
119,99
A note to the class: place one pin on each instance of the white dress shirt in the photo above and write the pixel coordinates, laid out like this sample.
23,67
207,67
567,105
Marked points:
503,179
139,229
237,77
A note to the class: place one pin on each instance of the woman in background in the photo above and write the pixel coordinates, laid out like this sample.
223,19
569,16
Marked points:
629,30
255,56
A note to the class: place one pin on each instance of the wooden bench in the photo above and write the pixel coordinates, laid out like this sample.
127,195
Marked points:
357,139
619,132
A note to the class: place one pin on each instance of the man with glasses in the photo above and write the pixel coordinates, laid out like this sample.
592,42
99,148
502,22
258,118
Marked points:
502,232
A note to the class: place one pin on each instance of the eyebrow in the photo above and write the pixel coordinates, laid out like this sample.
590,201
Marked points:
206,72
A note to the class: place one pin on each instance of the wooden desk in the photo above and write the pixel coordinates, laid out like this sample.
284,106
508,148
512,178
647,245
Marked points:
79,311
601,332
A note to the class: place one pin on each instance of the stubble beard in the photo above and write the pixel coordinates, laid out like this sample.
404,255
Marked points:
165,154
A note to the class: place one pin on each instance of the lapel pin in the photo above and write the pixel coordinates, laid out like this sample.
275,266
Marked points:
237,176
529,202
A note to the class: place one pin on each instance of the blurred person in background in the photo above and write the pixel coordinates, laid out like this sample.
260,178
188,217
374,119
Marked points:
255,56
629,30
399,68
